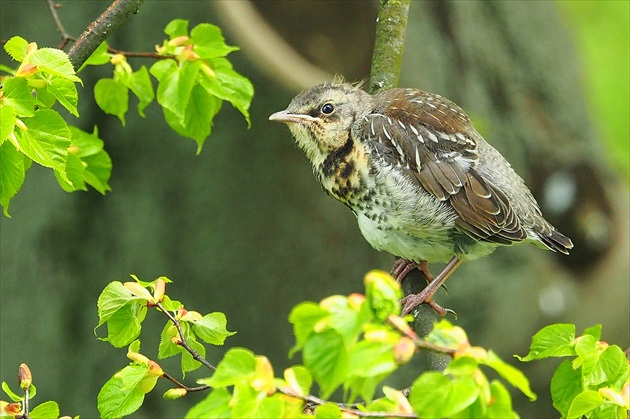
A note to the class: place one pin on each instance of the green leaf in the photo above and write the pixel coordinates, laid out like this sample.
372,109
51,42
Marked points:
112,96
588,356
17,95
95,165
16,48
212,328
614,364
7,69
12,395
304,317
248,403
326,357
435,395
556,340
120,395
215,405
46,140
46,410
7,122
175,88
583,403
123,312
236,365
167,348
139,83
176,27
188,363
383,294
303,378
595,331
12,172
198,115
100,56
501,405
74,173
209,41
509,373
328,411
54,61
65,91
566,384
228,85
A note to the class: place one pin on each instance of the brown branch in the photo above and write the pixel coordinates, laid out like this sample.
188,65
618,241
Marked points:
65,36
184,386
183,342
107,23
153,55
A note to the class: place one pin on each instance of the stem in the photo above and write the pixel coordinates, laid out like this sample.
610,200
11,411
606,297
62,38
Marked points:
423,344
183,343
316,401
388,46
184,386
65,36
26,397
107,23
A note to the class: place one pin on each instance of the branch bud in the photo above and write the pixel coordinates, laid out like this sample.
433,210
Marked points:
158,290
174,393
10,409
24,376
404,350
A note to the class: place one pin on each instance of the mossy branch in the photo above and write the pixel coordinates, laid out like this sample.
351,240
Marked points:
388,46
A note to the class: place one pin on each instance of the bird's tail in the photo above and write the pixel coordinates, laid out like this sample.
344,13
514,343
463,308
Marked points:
556,241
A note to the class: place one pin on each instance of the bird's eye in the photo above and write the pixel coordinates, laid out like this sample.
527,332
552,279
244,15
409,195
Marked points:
327,108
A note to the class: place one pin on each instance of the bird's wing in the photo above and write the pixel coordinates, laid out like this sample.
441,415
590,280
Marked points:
433,141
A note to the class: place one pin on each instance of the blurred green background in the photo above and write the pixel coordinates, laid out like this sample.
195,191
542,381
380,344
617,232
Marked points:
244,228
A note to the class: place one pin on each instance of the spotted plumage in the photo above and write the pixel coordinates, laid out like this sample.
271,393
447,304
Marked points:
424,185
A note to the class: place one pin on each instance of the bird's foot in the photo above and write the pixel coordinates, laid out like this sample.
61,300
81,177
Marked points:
414,300
402,267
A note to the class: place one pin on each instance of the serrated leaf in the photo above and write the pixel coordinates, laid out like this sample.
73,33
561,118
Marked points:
556,340
95,165
236,365
209,41
229,85
167,348
139,83
595,331
112,96
16,48
212,328
16,95
176,27
123,313
65,91
583,403
435,395
46,410
54,61
588,356
12,171
120,396
248,403
46,140
215,405
188,363
74,173
325,355
304,317
566,384
614,364
7,122
509,373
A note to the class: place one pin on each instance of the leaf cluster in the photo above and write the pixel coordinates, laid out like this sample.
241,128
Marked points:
594,382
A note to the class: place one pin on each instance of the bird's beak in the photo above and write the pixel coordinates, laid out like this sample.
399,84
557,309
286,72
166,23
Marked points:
292,118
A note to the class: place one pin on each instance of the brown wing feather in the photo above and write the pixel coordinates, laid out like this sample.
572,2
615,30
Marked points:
435,140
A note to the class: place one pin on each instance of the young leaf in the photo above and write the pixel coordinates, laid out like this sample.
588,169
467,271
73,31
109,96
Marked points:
176,27
215,405
509,373
99,57
139,83
236,365
501,406
12,395
556,340
65,91
120,396
46,410
566,384
54,61
12,171
112,96
16,95
209,41
583,403
212,328
95,164
16,48
304,317
175,88
326,357
435,395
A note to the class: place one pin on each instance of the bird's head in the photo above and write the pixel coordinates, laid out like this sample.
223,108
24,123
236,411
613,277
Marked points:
321,118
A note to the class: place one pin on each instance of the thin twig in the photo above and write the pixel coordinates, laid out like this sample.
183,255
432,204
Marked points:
183,342
312,400
184,386
422,343
65,36
154,55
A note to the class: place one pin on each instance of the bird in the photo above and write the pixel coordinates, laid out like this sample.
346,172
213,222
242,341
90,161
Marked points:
423,184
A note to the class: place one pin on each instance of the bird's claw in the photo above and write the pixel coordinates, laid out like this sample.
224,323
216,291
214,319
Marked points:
412,301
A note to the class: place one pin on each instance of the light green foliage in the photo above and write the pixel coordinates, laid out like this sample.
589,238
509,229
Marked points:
595,383
45,410
30,131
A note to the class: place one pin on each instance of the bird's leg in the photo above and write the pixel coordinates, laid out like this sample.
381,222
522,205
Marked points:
402,267
426,295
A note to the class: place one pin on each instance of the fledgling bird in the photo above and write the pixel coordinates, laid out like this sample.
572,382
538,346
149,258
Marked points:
422,182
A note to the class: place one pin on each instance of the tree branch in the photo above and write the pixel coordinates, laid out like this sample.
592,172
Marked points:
65,36
100,29
391,25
